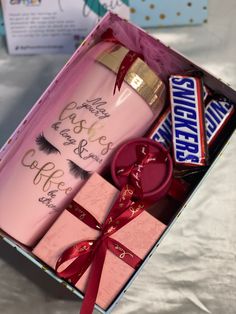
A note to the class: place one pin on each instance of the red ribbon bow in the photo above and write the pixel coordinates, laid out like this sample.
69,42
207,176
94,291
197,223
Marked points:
134,171
126,63
93,252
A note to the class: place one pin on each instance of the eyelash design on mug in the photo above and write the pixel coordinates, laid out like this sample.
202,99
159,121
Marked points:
45,146
77,171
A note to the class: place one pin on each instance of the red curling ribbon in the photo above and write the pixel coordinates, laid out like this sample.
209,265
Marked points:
109,36
134,171
126,63
93,252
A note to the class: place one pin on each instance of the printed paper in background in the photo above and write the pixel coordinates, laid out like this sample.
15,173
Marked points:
54,26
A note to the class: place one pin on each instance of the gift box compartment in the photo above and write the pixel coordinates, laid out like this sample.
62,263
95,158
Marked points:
164,58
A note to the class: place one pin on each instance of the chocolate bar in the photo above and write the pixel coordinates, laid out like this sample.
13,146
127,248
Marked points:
188,121
217,114
162,130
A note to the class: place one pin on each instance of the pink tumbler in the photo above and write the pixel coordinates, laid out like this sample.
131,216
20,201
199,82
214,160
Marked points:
73,135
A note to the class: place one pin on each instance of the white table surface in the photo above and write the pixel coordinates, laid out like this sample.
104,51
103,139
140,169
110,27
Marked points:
194,269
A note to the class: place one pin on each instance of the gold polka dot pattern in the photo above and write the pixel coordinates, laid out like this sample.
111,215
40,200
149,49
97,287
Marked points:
152,13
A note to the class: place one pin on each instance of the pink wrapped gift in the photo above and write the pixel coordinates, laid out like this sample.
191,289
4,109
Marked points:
139,236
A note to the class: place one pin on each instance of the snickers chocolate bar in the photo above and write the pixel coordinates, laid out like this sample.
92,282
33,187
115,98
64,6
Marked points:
162,130
188,121
206,93
217,114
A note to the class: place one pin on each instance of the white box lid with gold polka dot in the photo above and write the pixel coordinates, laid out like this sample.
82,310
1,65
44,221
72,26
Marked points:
153,13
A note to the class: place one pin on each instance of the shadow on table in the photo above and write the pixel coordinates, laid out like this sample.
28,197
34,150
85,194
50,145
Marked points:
26,268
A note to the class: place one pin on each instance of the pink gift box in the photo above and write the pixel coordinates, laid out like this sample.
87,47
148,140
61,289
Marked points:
164,61
97,197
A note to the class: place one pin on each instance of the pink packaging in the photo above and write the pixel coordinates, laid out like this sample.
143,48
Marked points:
164,61
97,196
75,133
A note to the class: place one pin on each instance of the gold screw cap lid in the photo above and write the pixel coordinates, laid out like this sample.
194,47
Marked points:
140,76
